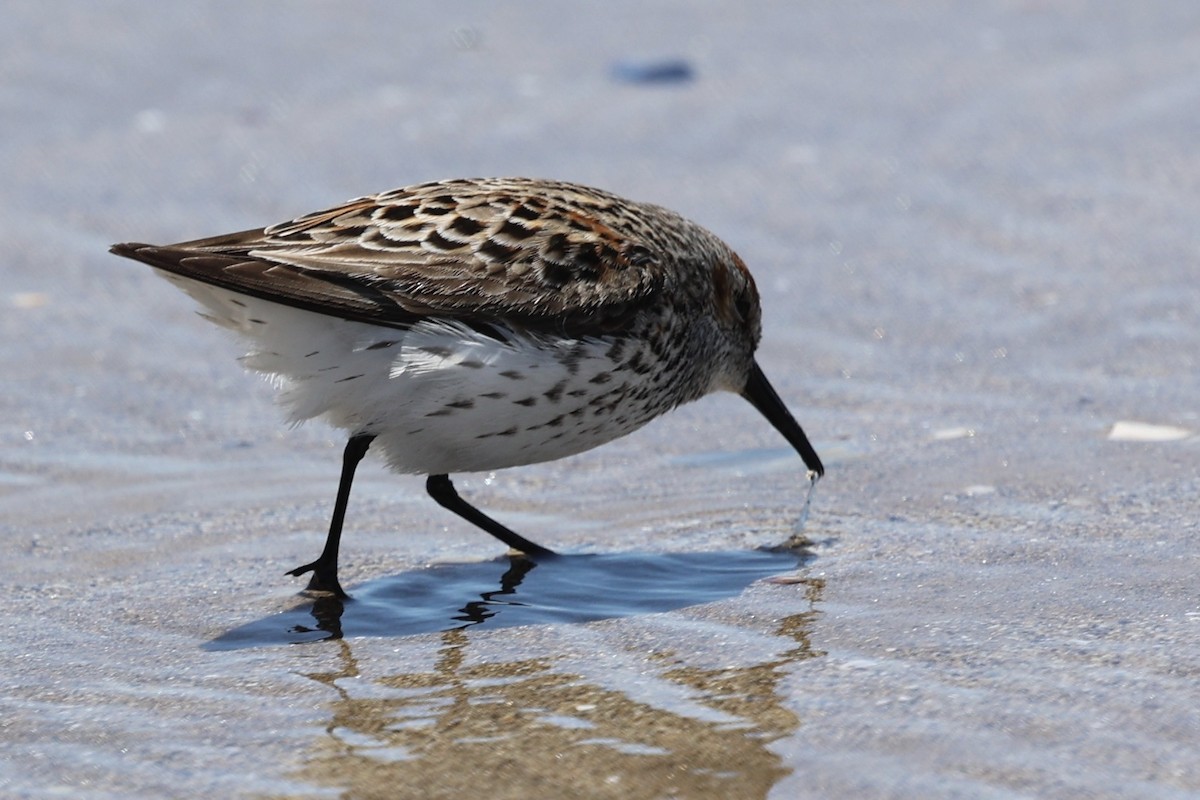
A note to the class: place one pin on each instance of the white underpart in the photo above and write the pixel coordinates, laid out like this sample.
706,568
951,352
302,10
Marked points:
440,397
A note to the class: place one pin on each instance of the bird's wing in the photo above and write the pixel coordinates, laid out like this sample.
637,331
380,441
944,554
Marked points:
531,254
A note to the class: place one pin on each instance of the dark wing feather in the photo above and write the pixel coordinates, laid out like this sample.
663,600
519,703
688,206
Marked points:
531,254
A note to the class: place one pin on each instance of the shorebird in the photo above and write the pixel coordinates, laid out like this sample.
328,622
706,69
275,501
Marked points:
475,324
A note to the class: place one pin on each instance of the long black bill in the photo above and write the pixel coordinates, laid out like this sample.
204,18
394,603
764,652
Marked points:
762,396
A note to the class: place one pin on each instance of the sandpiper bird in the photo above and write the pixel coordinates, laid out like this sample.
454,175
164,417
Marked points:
472,325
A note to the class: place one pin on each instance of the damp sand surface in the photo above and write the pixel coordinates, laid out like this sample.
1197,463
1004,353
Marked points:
974,231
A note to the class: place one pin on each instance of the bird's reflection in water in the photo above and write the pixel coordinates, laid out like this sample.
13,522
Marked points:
327,611
479,611
626,723
563,589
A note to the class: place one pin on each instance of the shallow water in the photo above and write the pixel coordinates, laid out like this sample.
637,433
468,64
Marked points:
973,227
509,726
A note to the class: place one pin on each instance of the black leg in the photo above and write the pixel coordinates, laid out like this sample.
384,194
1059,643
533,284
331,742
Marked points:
324,569
442,490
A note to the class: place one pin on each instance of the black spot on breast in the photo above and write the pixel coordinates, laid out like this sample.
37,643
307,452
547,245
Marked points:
572,358
257,321
512,375
462,404
637,364
494,395
601,378
348,378
555,392
381,345
526,401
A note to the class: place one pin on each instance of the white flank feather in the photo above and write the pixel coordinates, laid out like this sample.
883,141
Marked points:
440,397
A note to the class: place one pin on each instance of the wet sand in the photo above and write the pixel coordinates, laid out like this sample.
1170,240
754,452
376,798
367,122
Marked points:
974,230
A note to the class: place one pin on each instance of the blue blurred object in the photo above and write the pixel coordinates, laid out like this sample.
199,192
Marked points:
671,70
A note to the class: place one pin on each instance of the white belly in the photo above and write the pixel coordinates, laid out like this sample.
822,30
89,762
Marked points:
440,397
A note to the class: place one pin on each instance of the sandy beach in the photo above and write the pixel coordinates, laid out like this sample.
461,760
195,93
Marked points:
974,227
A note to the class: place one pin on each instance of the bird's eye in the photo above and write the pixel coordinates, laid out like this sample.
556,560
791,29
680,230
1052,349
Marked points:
743,305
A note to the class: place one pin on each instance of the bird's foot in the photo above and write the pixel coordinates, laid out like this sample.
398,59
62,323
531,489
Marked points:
324,578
